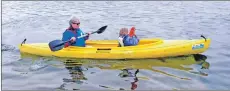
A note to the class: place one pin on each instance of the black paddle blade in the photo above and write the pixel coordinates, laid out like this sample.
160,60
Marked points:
56,45
102,29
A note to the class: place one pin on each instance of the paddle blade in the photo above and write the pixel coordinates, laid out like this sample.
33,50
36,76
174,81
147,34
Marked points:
102,29
56,45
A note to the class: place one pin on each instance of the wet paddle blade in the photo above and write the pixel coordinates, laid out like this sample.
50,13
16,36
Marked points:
56,45
102,29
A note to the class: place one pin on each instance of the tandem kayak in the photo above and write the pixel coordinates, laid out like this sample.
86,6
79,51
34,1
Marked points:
108,49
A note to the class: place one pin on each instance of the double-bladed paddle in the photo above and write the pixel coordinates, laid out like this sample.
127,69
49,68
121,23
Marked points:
56,45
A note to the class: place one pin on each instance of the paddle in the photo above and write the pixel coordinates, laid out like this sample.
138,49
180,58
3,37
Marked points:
56,45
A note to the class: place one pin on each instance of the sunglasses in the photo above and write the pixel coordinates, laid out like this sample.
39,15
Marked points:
76,23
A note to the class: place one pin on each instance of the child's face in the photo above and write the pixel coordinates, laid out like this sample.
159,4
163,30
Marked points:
123,31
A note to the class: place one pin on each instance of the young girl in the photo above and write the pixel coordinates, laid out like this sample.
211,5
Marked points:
126,39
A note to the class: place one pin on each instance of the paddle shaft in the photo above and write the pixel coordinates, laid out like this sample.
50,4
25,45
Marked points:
70,40
57,43
86,34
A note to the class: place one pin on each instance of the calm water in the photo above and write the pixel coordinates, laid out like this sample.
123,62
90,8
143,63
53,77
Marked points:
44,21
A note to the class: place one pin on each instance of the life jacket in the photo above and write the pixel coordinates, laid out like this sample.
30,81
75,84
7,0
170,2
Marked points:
68,34
130,41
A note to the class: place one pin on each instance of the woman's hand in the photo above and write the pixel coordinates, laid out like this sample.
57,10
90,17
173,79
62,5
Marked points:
73,39
88,34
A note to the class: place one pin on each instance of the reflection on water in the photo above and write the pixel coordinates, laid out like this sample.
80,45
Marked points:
76,72
7,47
45,21
26,65
127,73
128,68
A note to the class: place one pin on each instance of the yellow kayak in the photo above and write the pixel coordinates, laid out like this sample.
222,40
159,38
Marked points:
108,49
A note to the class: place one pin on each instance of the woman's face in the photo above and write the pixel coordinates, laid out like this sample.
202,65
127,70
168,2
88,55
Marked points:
75,25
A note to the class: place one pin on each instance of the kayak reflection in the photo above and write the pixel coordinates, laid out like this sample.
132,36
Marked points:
131,68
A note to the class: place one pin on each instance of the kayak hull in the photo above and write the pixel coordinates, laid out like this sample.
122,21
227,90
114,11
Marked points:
108,49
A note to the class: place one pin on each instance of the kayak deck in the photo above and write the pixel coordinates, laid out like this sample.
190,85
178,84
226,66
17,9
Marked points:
108,49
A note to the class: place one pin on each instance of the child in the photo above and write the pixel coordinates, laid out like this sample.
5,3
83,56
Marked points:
126,39
122,34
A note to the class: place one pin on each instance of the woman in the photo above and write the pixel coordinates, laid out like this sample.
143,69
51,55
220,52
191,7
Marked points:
73,32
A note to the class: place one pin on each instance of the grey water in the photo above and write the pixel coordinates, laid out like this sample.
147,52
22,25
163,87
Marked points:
44,21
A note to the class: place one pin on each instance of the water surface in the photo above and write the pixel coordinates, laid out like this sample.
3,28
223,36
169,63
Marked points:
44,21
